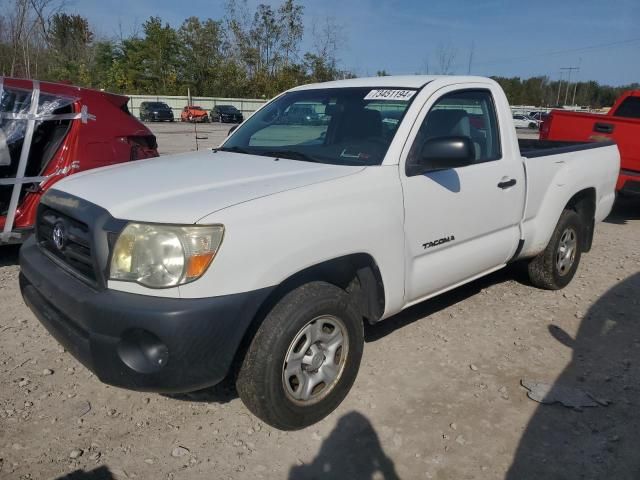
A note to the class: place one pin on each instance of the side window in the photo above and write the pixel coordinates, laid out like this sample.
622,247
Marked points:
466,113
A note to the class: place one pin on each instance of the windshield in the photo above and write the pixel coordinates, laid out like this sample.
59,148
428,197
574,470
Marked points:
158,105
343,126
228,109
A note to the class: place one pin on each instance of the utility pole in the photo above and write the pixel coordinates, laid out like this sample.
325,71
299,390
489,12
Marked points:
569,70
559,88
575,86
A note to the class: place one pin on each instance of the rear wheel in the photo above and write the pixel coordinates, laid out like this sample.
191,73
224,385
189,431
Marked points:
304,358
555,267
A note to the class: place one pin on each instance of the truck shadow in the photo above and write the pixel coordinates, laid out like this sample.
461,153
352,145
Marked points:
625,209
100,473
424,309
225,392
597,442
9,255
352,450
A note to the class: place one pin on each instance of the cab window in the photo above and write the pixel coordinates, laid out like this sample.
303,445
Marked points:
467,113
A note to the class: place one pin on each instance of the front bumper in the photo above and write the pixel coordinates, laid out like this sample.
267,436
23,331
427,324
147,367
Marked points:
161,117
134,341
231,119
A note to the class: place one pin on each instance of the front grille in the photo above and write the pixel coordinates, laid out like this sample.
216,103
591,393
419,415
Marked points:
73,246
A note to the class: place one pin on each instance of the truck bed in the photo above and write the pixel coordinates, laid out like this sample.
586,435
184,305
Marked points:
625,132
542,148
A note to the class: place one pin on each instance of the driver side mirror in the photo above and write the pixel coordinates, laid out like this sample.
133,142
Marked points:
443,153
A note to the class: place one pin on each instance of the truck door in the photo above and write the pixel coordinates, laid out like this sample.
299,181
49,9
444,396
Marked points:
460,222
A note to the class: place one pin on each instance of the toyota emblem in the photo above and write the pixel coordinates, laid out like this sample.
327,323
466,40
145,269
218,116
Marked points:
59,236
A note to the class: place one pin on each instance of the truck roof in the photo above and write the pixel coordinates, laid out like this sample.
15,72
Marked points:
397,81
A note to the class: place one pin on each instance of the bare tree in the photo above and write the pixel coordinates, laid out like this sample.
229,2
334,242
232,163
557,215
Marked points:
446,55
25,30
328,38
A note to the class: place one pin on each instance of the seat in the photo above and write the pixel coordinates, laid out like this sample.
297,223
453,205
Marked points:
360,124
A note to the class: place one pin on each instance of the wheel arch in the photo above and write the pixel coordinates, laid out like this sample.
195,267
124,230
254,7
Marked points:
584,204
358,274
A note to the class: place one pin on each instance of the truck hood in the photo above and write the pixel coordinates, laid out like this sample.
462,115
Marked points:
187,187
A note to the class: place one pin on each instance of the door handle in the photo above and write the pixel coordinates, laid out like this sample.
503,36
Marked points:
507,183
603,127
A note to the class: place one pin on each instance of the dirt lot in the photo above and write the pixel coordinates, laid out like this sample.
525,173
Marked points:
438,394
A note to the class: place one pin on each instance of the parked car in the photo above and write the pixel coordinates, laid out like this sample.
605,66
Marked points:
541,116
156,112
522,121
301,114
194,114
621,124
269,251
90,129
226,114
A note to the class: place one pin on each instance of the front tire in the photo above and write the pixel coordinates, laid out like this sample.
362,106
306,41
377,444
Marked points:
556,266
304,357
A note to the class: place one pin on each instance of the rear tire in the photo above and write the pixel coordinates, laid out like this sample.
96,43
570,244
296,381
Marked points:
556,266
304,358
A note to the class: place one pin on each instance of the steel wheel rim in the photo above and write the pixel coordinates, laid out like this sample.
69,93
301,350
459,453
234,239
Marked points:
566,252
315,360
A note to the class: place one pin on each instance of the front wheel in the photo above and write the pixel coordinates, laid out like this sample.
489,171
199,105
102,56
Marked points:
555,267
304,357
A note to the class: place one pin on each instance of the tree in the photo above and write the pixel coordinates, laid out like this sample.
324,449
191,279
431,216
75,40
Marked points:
201,54
159,52
290,17
69,39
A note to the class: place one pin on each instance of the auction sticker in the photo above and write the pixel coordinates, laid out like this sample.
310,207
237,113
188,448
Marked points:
386,94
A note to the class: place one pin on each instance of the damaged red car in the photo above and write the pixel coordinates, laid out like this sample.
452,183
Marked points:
49,131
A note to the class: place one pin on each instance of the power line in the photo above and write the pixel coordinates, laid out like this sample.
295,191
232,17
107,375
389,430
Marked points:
560,52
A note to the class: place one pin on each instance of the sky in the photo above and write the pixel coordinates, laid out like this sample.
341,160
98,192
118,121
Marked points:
508,38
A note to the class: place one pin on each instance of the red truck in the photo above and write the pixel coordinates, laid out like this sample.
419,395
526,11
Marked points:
621,124
49,131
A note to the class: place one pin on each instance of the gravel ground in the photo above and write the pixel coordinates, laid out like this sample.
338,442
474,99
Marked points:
438,394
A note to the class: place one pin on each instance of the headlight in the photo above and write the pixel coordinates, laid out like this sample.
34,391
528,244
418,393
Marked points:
161,256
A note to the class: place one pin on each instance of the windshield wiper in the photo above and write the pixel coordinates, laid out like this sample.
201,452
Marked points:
289,154
233,149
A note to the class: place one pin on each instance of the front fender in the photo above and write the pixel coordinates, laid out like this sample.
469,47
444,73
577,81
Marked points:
269,239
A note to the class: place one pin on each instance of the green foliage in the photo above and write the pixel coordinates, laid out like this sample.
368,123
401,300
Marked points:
540,91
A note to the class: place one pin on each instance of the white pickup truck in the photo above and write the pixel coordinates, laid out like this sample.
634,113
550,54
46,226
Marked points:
269,252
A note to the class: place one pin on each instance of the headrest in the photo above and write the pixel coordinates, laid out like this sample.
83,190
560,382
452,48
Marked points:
453,122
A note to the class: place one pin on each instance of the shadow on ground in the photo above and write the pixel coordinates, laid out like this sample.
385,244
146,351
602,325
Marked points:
226,391
100,473
598,442
515,272
223,392
9,255
352,450
625,209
